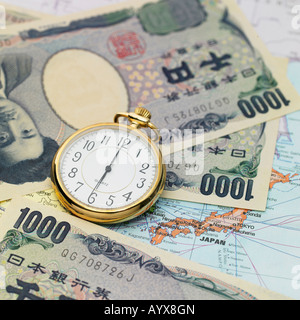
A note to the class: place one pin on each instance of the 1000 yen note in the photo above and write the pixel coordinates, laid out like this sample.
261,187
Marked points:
47,254
235,169
194,65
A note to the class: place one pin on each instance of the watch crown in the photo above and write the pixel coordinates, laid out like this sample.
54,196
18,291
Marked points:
143,112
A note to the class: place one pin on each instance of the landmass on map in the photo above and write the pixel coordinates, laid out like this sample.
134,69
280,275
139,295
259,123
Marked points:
232,220
277,177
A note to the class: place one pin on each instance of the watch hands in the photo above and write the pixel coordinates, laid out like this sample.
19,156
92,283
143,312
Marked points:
107,170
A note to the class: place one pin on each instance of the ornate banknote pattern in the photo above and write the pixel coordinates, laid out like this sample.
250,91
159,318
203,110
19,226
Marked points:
49,255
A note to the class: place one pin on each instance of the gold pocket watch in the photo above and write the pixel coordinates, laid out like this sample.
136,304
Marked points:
110,172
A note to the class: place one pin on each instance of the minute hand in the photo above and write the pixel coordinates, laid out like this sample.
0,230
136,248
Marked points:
107,170
115,157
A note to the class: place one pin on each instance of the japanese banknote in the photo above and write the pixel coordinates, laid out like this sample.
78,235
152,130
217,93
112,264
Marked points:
149,54
235,173
46,254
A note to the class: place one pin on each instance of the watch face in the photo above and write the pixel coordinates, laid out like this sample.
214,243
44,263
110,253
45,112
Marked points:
109,167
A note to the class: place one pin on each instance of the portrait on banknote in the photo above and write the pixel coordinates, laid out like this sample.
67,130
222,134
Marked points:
25,154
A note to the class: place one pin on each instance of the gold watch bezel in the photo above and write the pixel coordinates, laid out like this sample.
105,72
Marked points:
109,216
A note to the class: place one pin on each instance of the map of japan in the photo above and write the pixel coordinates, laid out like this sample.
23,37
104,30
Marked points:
232,220
277,177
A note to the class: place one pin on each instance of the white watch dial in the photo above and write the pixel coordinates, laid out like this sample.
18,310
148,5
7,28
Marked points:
109,167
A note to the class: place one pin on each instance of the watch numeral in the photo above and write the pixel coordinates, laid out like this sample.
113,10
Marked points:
105,140
92,198
121,140
80,185
138,154
89,145
145,167
110,201
124,142
77,156
142,183
127,196
73,172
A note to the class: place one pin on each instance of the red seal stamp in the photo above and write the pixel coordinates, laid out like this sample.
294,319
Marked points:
126,45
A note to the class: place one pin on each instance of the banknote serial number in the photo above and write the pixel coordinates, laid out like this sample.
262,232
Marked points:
198,110
96,265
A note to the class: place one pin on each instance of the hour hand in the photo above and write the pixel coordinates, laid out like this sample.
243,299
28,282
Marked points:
107,170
